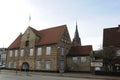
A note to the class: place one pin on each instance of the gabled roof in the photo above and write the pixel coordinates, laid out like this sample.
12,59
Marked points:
16,43
111,37
47,36
80,50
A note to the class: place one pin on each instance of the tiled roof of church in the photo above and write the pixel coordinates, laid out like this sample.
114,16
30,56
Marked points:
47,36
111,37
80,50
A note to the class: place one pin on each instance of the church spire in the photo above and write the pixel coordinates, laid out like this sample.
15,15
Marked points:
76,39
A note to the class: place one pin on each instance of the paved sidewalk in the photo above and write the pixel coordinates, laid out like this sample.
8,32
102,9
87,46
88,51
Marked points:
78,75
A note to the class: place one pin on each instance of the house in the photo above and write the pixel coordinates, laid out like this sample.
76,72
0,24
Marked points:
40,50
79,57
111,38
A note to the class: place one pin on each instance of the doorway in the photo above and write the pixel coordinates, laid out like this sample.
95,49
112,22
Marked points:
25,66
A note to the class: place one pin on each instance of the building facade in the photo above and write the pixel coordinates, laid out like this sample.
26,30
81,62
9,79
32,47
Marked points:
111,38
42,50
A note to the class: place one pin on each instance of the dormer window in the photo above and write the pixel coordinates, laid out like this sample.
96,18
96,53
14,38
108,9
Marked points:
27,43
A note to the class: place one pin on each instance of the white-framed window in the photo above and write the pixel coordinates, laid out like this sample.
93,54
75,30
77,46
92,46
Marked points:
48,50
62,51
21,52
31,52
39,51
11,52
47,65
16,53
38,64
15,64
74,59
9,64
61,64
83,59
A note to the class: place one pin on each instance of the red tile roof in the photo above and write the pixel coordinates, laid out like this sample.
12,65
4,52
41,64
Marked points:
111,37
16,43
47,36
80,51
51,35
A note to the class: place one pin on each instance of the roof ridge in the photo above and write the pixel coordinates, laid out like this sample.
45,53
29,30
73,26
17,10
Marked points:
113,27
20,35
53,27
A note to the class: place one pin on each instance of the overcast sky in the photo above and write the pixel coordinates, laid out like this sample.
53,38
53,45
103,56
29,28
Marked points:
92,17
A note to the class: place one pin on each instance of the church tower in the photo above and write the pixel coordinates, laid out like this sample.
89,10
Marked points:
76,40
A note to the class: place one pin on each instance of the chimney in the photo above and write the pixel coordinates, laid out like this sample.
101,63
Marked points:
118,27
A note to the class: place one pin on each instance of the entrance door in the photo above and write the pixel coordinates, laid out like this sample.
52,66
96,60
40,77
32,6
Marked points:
25,66
61,66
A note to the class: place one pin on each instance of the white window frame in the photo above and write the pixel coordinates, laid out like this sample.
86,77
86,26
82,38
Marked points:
62,51
31,51
21,52
48,50
9,64
47,65
83,59
11,52
62,64
75,59
16,53
38,64
15,64
39,51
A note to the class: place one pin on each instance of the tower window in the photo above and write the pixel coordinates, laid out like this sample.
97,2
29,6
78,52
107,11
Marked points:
27,43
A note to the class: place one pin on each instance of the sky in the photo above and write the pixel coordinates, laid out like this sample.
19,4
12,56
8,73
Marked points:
92,16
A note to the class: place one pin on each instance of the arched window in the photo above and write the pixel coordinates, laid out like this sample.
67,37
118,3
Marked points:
27,43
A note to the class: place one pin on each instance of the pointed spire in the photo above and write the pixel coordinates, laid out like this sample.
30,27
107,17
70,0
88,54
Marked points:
76,39
76,31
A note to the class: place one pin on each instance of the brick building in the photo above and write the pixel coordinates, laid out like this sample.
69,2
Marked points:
111,38
43,50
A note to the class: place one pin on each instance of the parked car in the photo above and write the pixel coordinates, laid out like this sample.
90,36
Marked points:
2,66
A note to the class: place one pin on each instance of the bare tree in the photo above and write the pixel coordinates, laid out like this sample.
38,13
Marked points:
108,55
